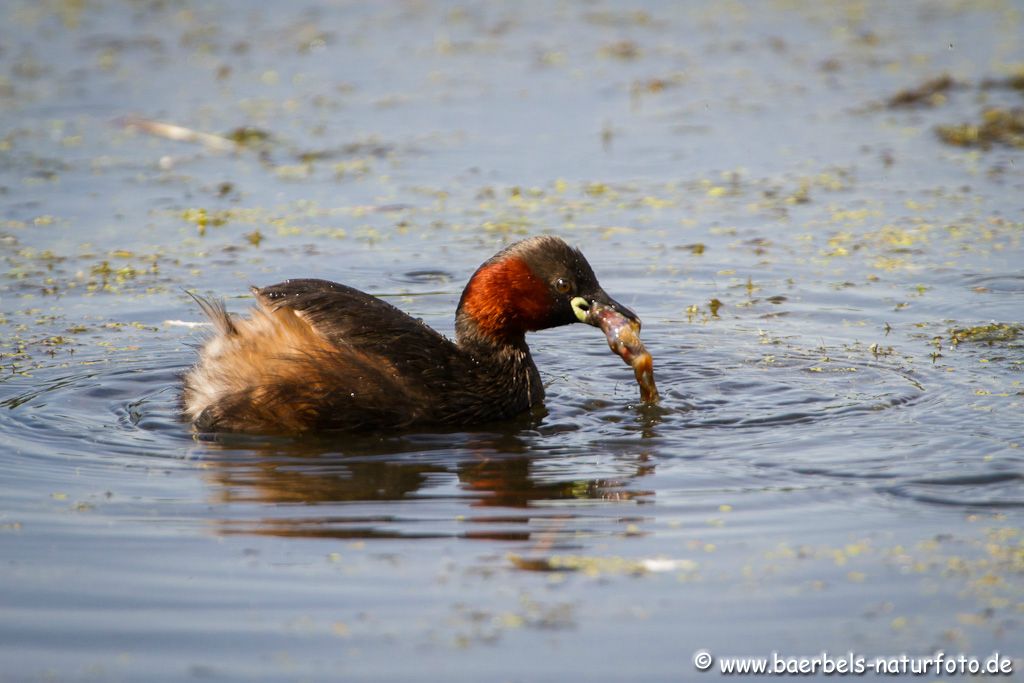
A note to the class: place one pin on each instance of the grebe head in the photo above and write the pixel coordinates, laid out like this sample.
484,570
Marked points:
534,284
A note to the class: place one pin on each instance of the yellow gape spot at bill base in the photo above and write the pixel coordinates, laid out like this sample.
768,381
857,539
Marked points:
580,306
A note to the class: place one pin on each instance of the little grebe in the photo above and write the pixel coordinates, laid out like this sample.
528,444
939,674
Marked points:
319,355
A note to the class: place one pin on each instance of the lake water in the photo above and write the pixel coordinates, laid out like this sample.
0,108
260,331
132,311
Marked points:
832,293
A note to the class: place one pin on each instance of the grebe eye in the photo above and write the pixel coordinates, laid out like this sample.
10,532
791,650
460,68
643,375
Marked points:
562,286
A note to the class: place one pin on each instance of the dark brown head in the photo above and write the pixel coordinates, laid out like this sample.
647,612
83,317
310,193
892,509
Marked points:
534,284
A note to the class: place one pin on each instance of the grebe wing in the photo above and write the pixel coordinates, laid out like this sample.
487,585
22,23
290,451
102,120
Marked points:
348,317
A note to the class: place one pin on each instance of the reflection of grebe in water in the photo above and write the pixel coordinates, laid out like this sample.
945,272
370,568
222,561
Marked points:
307,484
319,355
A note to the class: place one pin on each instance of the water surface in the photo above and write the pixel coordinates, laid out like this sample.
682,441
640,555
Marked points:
831,293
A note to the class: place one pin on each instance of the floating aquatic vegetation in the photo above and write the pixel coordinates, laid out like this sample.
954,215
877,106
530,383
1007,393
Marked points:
250,138
1014,81
653,86
931,93
625,50
202,218
997,127
990,334
623,18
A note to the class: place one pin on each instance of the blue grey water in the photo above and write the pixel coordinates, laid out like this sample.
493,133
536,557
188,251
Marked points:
833,297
